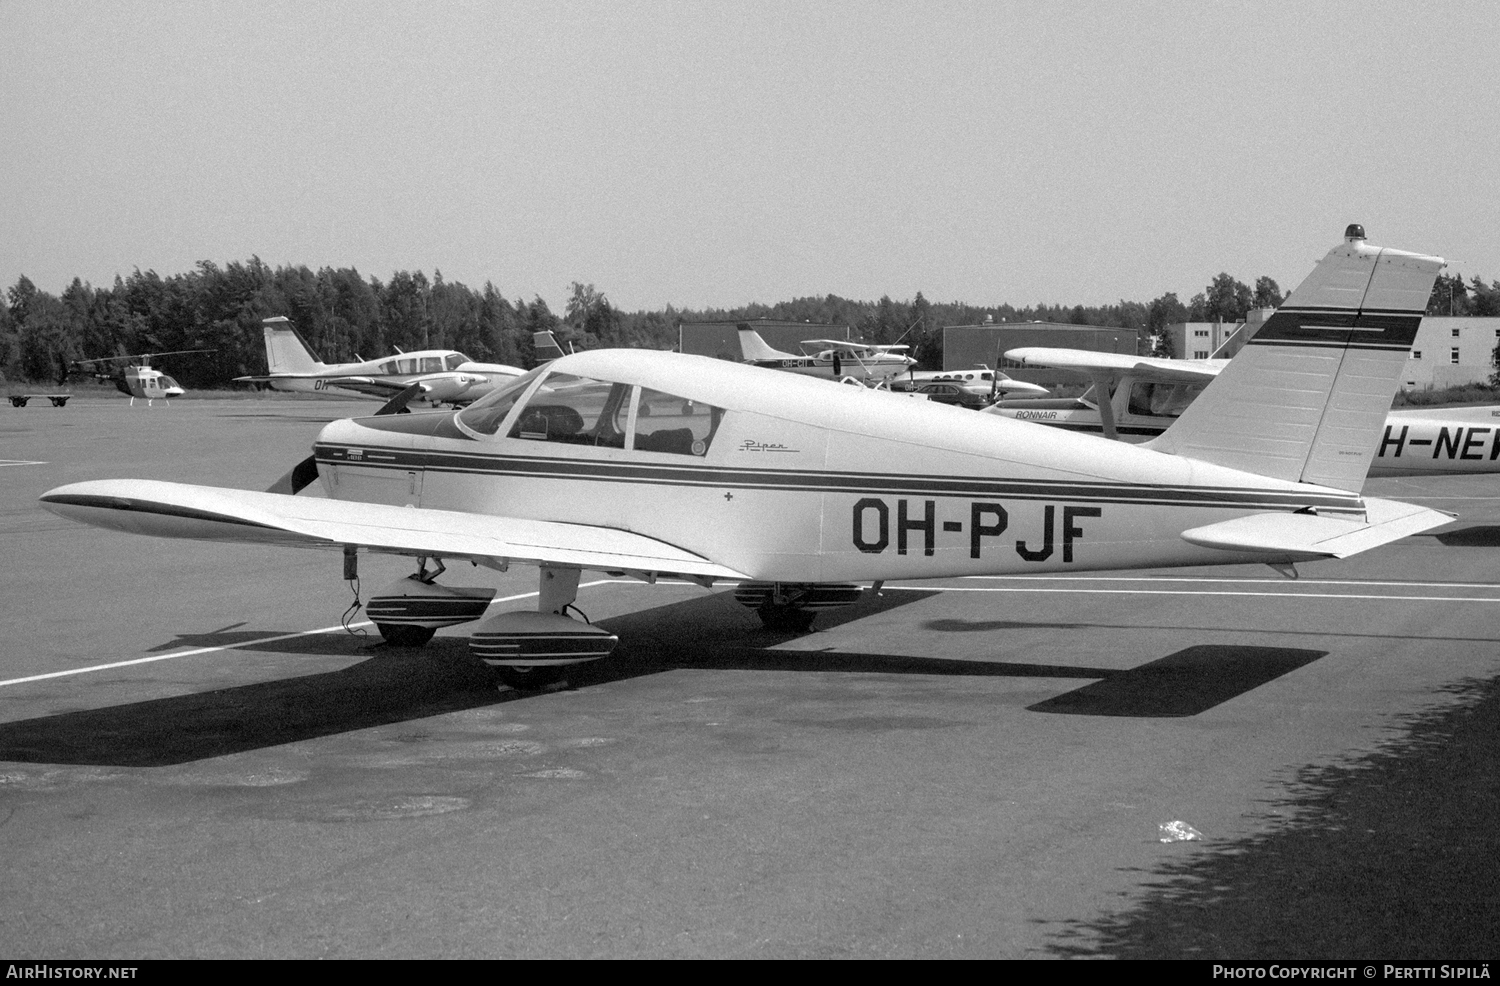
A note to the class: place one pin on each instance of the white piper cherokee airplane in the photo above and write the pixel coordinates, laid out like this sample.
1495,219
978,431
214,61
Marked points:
843,359
445,375
661,465
1147,394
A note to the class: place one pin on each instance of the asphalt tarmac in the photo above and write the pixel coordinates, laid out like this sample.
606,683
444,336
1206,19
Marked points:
198,760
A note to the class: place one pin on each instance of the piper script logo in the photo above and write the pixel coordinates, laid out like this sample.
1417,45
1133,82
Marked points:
751,445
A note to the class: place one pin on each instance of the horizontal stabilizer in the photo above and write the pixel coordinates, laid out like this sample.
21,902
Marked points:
209,513
1302,537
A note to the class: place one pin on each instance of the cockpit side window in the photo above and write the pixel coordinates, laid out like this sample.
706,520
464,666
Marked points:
1163,400
575,410
668,423
485,415
432,364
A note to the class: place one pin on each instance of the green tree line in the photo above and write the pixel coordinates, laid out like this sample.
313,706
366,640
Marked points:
346,316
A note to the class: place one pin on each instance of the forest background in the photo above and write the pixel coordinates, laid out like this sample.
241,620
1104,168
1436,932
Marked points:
345,316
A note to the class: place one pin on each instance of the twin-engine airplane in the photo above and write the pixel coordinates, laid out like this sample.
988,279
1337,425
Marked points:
842,359
444,376
662,465
1145,395
134,376
978,388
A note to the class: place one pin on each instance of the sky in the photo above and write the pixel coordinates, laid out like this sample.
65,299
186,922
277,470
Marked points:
716,153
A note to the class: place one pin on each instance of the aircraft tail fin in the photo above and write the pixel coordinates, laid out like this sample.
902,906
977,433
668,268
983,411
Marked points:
1306,399
286,350
752,346
546,345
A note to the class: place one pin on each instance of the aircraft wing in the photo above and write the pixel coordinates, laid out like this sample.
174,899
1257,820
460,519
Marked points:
1304,537
209,513
1090,363
846,344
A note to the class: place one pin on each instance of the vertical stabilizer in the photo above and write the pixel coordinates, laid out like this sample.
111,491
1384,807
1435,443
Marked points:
1306,399
286,350
546,346
753,347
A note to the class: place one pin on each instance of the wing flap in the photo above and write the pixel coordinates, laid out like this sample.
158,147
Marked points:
1304,537
212,514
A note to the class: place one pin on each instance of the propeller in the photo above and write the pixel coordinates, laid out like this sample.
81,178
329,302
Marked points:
306,471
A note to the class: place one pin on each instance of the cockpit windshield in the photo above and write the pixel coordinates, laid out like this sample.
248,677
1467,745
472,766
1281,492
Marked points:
485,415
569,409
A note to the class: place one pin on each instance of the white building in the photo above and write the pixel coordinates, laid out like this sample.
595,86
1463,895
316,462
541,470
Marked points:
1451,351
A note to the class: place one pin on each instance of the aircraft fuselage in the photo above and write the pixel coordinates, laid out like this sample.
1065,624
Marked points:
447,376
1444,441
835,485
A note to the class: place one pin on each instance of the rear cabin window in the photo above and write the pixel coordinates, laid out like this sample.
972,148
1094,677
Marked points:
675,425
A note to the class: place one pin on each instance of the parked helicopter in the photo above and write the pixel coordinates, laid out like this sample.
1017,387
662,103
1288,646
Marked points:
134,376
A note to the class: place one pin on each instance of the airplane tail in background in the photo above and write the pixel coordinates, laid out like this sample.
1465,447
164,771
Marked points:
1306,399
286,350
546,346
752,346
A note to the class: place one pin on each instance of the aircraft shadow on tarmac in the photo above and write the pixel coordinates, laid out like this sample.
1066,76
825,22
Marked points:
706,633
296,419
1477,536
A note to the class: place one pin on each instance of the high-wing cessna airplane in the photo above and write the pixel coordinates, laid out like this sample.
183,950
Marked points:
665,465
840,360
134,376
445,376
1148,394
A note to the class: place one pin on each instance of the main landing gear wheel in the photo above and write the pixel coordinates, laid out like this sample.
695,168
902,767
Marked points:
528,678
405,635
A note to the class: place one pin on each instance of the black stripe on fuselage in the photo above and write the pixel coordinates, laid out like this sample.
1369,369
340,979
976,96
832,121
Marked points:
826,481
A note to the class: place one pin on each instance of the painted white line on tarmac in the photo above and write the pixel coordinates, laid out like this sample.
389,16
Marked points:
1388,597
21,462
222,647
1225,581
